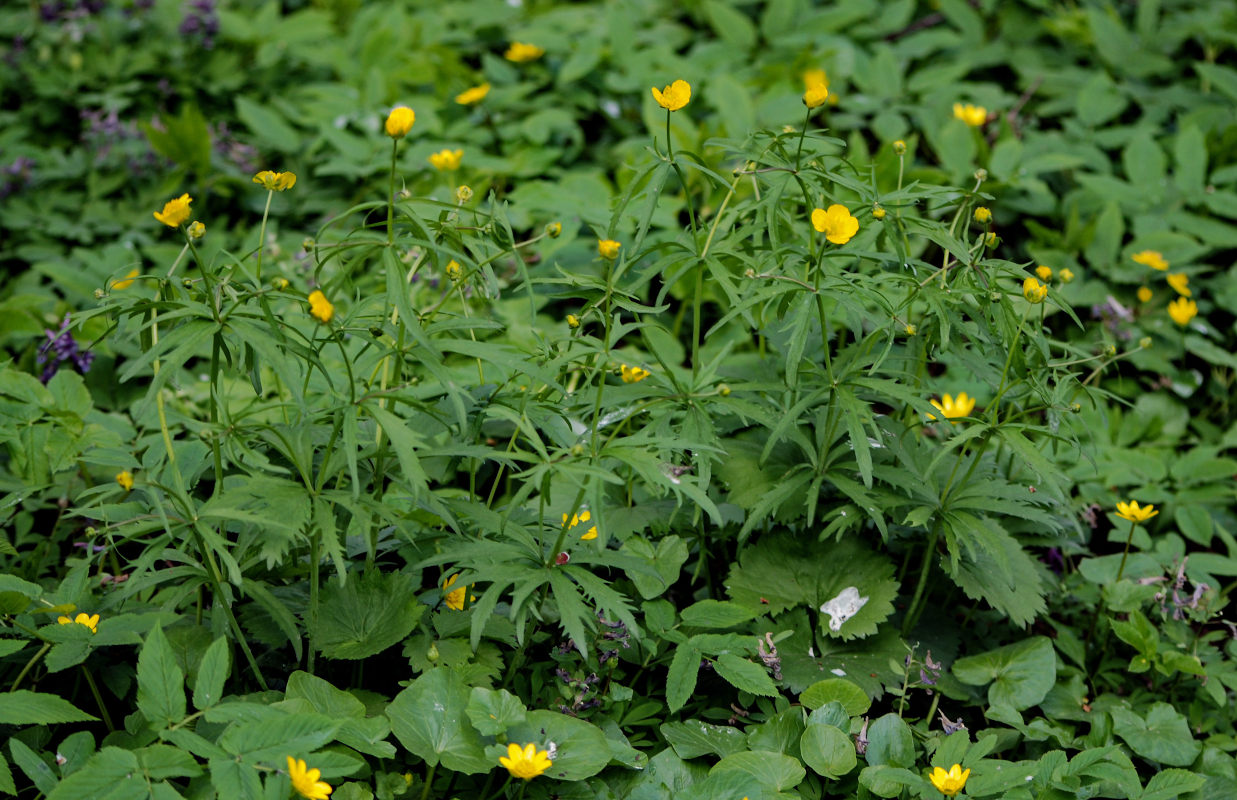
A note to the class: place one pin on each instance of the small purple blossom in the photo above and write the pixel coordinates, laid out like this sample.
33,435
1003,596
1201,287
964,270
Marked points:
201,21
16,176
59,348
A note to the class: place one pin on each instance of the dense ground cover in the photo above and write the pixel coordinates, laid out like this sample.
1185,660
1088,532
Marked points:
402,400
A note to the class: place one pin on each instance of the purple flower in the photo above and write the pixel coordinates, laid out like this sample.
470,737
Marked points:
59,348
201,20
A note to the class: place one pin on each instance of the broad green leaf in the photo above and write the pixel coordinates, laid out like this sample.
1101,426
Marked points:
492,711
693,738
1021,674
716,614
212,673
111,773
681,679
890,742
429,719
839,690
25,708
580,747
160,681
365,616
745,675
1164,735
828,751
774,771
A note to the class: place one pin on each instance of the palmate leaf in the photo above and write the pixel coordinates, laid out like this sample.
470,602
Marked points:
365,616
1000,572
781,572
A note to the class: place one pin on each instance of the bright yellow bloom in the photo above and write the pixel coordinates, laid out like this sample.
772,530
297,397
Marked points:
521,53
878,211
125,479
476,94
674,96
89,620
971,115
400,121
1044,273
952,407
1144,294
1152,258
910,329
305,781
454,598
815,77
816,96
949,783
175,211
576,519
197,230
320,307
991,239
1180,282
1034,291
608,248
127,281
1066,275
836,223
463,194
275,181
447,160
634,374
1134,513
573,321
983,215
1182,310
280,283
454,270
527,762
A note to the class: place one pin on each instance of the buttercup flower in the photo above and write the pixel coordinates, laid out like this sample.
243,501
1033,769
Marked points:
1180,282
674,96
400,121
970,114
816,96
447,160
175,211
521,53
1034,291
1044,273
454,598
1134,513
1066,275
320,307
573,321
527,762
127,281
197,230
815,77
453,270
878,211
608,248
576,519
952,407
476,94
275,181
1152,258
1144,294
305,781
89,620
983,215
1182,310
125,479
949,783
634,374
836,223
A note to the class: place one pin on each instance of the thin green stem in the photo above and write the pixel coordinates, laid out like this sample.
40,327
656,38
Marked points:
270,193
429,780
1009,357
912,611
1126,553
391,195
30,665
806,119
98,698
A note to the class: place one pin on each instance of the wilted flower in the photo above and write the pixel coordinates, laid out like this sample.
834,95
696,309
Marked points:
1182,310
275,181
952,407
970,114
125,479
400,122
527,762
1152,258
1034,291
634,374
1180,282
951,782
306,781
472,96
1144,294
320,307
983,215
674,96
1044,273
447,160
175,211
836,223
521,53
608,248
1134,513
89,620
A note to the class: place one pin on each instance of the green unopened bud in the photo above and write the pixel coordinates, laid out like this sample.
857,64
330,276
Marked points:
899,147
723,390
1144,342
554,230
196,230
981,175
432,655
577,449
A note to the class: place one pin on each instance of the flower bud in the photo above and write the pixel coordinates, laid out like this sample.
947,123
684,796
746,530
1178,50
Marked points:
554,230
981,174
991,239
196,231
400,121
463,194
899,147
1144,342
878,211
432,654
983,215
723,390
573,321
911,330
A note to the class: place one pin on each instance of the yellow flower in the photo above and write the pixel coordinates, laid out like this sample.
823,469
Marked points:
899,147
454,271
1152,258
447,160
1144,294
991,239
971,115
1180,281
634,374
674,96
1044,273
554,230
521,53
1182,310
576,519
816,96
280,283
275,181
305,781
1066,275
573,321
175,211
608,248
454,598
527,762
952,407
949,783
125,479
320,307
89,620
400,121
127,281
197,230
878,211
911,330
463,194
836,223
983,215
476,94
1034,291
815,77
1134,513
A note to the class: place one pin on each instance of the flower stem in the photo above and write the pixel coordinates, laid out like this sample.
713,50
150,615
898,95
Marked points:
912,611
1125,554
391,195
262,233
429,780
802,134
30,665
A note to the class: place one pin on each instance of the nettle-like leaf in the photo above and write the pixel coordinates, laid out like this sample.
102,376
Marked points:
365,616
855,585
993,567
